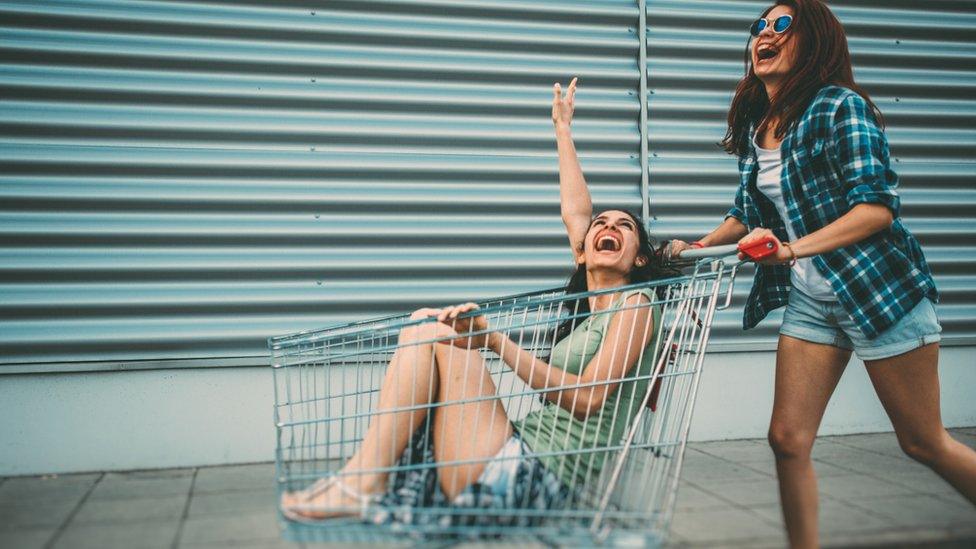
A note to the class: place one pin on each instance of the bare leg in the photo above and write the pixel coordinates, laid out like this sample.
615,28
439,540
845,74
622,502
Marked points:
908,386
806,375
466,431
411,379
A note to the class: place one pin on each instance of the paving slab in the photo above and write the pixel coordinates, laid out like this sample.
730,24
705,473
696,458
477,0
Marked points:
919,511
923,481
691,497
155,509
36,514
835,517
46,488
138,486
735,450
824,449
724,525
896,538
247,478
151,535
241,527
745,493
873,463
230,503
852,487
25,539
881,443
704,467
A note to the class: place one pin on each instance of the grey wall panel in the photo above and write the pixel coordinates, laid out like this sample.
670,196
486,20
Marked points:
916,59
180,180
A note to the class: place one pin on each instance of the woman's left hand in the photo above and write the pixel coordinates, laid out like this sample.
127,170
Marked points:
465,326
782,256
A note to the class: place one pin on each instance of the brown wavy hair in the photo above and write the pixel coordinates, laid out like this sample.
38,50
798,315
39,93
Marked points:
822,58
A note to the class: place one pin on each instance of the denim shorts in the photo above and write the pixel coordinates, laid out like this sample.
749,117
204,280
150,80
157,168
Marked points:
827,323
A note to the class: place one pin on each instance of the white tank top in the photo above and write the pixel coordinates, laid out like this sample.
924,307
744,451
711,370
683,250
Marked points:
804,274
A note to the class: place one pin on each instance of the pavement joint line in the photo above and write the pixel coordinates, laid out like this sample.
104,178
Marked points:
186,510
736,463
902,457
64,525
734,504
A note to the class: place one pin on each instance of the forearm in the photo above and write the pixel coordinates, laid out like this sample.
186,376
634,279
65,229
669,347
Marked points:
861,222
729,232
541,376
574,197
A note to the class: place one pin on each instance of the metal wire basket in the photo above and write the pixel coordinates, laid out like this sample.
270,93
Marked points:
618,486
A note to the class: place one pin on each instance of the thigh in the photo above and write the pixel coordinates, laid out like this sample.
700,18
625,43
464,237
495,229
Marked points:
806,376
908,387
465,429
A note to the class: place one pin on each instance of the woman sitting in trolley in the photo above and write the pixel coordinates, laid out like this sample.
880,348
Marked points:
490,461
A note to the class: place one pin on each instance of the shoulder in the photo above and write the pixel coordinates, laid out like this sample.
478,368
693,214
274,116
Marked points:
830,106
638,297
825,104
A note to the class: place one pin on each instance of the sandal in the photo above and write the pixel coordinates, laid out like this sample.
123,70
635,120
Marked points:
318,488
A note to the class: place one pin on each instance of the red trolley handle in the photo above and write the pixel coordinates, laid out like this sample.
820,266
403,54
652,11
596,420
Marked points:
755,250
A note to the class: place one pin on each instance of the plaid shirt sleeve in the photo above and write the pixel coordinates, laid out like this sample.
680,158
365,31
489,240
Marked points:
738,206
862,154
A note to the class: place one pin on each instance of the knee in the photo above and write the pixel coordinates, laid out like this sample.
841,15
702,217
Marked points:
424,332
924,449
423,313
790,443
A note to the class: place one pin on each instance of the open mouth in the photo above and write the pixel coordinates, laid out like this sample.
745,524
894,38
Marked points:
607,243
765,52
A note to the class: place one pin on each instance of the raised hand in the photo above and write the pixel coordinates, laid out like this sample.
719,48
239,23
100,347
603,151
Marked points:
563,107
465,326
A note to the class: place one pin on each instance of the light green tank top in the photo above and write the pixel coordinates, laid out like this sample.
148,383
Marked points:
554,429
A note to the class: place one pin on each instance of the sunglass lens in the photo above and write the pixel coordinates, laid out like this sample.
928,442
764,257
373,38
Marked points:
782,23
757,27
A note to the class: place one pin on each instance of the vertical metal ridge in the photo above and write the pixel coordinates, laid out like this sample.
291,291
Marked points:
642,67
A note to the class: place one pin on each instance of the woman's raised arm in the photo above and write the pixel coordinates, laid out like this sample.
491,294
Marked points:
574,198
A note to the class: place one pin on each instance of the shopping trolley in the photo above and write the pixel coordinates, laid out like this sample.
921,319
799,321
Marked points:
327,385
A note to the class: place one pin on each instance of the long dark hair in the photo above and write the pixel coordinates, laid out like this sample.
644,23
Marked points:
822,58
653,269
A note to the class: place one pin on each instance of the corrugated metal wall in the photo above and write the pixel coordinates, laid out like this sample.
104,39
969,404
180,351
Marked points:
918,62
179,180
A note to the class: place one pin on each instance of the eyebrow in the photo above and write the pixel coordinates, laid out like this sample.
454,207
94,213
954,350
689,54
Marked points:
603,217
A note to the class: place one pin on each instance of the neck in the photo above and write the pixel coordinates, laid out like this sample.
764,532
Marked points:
772,88
601,280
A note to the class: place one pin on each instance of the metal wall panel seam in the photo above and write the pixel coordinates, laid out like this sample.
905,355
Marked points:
642,67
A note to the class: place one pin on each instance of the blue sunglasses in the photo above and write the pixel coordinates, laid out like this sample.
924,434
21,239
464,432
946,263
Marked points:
780,25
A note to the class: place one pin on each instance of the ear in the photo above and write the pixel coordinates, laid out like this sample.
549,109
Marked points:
580,254
640,261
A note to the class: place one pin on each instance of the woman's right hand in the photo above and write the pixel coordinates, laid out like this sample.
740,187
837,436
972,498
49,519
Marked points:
675,247
563,107
472,330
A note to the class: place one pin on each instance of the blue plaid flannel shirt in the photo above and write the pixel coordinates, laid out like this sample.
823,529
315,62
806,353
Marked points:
835,158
